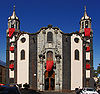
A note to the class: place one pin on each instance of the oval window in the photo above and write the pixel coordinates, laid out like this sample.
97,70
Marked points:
23,40
76,40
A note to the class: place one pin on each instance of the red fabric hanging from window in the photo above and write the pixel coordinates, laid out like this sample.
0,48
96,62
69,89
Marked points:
49,65
87,32
87,66
87,48
11,31
11,66
11,48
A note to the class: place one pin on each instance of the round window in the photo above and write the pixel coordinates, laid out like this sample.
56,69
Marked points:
76,40
23,40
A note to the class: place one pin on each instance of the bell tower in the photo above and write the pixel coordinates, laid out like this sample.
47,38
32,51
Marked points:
85,21
11,49
13,21
87,36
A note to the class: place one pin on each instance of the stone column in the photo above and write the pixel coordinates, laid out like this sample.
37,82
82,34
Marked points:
42,56
57,86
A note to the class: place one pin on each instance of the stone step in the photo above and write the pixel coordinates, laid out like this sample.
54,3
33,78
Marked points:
57,92
29,91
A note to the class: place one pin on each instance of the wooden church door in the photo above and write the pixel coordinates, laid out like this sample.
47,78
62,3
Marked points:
49,80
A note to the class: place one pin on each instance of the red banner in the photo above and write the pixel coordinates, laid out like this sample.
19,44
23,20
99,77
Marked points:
11,31
49,65
87,32
87,48
87,66
11,66
11,48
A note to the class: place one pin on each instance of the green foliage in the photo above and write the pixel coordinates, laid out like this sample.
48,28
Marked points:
97,72
98,69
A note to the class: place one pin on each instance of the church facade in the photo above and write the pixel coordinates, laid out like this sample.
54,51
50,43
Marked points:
50,59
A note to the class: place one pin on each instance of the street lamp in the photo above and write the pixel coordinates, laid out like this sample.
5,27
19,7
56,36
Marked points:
42,57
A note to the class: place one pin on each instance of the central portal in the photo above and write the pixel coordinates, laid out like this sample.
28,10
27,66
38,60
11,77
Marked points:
49,73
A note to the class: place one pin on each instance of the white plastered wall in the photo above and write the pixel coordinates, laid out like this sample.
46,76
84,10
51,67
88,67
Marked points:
87,55
23,65
11,55
76,65
11,73
87,73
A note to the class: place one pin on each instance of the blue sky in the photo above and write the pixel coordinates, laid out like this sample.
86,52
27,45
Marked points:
65,14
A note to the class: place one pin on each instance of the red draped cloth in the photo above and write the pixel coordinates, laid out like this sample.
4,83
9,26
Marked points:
87,66
49,65
87,31
11,66
11,31
88,48
11,48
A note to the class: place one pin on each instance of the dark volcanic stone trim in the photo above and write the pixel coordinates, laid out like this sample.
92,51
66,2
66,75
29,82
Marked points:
56,28
66,45
91,63
15,62
84,64
33,61
7,60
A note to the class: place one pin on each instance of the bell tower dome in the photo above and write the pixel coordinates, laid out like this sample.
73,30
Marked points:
13,21
85,21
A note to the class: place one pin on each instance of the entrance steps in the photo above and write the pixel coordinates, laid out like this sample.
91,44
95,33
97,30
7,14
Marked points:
30,91
57,92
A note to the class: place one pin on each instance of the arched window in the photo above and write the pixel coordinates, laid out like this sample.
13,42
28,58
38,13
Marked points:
12,26
49,37
22,54
86,24
12,23
23,40
76,40
82,25
76,54
50,55
16,25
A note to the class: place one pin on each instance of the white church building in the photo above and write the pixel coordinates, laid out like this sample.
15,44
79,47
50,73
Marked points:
50,59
